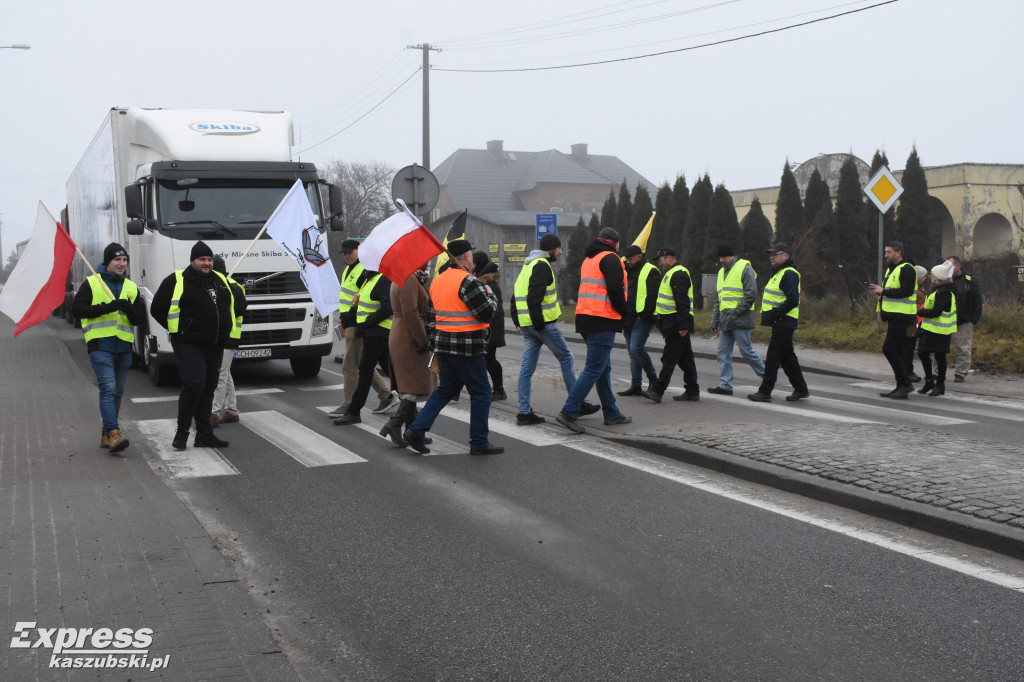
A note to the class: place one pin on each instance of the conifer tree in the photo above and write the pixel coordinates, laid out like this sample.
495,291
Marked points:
850,222
662,215
816,195
569,278
912,216
723,228
789,210
677,216
696,229
623,213
607,215
642,209
756,230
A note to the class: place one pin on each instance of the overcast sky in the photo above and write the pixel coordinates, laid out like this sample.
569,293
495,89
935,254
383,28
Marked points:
941,74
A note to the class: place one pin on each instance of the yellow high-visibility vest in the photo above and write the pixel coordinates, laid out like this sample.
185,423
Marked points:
666,301
112,324
549,307
774,297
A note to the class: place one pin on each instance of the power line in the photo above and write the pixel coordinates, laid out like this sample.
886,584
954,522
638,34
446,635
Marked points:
375,106
665,52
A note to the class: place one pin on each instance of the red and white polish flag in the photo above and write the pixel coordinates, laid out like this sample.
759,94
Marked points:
37,283
399,246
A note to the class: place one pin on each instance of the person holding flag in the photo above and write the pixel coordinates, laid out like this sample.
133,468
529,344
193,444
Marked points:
461,309
109,306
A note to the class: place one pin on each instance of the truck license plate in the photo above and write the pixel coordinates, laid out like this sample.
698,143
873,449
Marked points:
253,353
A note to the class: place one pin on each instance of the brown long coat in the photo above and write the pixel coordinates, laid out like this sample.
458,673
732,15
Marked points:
408,334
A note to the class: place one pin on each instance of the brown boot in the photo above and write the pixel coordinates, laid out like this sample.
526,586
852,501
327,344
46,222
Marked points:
117,441
105,441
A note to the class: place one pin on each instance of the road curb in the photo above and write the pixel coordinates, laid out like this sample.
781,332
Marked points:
947,524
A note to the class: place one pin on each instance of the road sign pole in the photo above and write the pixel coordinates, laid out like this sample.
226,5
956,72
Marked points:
880,271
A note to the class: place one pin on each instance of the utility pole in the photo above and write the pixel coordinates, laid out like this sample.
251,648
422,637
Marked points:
427,49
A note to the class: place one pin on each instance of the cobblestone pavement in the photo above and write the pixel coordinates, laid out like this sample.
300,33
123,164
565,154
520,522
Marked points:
93,541
982,479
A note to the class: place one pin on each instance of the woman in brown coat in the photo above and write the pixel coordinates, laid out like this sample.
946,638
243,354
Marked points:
410,352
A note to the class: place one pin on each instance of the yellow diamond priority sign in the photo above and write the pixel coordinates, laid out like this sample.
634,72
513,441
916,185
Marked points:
883,189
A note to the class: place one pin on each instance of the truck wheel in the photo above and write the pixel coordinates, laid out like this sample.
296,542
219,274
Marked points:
305,368
163,375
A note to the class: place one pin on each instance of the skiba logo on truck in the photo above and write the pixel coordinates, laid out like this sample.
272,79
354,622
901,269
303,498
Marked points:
224,128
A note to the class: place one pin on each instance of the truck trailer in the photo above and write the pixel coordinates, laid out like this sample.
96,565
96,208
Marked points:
158,180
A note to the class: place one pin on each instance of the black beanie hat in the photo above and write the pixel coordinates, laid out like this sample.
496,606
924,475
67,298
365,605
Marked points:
725,251
458,247
550,242
608,233
112,251
219,265
199,250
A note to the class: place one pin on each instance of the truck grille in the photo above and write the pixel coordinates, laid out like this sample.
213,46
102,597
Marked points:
285,283
266,337
273,315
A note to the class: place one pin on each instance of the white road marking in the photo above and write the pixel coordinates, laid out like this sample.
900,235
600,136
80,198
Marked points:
667,469
300,443
846,406
331,387
1009,408
534,435
740,393
372,423
188,463
172,398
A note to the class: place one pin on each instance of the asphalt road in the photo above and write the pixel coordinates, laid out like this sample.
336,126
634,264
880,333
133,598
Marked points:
555,561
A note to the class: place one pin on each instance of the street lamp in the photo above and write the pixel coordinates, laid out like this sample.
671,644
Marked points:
16,46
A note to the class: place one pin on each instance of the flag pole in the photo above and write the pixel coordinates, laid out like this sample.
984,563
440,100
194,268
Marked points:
249,248
451,258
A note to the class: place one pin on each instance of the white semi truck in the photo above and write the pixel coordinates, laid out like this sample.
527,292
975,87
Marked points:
158,180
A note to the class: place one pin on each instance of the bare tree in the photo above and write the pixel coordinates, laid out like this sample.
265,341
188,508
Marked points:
367,193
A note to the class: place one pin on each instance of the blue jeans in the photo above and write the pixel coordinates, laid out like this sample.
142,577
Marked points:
640,362
111,373
550,336
740,337
598,371
457,371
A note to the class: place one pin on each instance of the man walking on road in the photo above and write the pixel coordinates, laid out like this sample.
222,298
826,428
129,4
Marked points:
599,308
109,305
460,312
780,310
897,301
535,312
732,316
351,278
968,313
197,307
642,280
675,322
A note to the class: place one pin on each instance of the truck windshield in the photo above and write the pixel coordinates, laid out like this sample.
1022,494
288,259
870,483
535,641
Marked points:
229,209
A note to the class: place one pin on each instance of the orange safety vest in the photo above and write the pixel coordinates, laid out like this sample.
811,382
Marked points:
593,295
450,312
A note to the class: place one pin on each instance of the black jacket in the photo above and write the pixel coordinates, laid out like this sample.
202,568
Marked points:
790,286
968,298
673,324
906,289
371,325
633,284
490,276
611,268
205,308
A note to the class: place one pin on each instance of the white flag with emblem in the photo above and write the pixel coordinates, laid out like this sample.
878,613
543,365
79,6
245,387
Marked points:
293,226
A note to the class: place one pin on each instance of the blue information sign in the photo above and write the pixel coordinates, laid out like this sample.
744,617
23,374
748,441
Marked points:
547,223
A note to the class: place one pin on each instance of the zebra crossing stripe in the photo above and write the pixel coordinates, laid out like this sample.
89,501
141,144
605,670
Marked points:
173,398
305,446
188,463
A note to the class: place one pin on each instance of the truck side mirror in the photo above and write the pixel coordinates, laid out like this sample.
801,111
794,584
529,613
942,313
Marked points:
133,201
335,198
136,226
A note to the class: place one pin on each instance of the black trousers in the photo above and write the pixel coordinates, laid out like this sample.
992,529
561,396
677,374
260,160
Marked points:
494,369
375,351
678,352
199,369
892,348
781,354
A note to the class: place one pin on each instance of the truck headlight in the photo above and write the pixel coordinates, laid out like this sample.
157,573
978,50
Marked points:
320,324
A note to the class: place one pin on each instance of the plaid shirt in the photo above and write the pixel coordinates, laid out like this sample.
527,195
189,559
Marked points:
468,344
